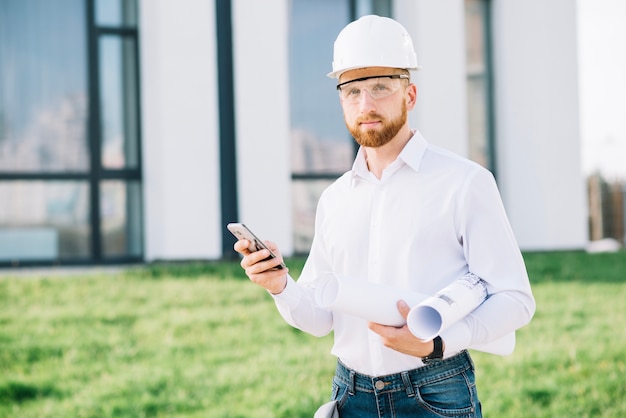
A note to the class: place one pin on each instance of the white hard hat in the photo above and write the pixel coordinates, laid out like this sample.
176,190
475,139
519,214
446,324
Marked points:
373,41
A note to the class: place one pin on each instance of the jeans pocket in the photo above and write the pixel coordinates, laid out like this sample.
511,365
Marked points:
453,396
340,391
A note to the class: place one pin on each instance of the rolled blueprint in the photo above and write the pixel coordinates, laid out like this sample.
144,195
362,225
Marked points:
370,301
454,302
378,303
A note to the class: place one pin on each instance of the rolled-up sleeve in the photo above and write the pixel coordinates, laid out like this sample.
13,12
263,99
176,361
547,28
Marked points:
493,254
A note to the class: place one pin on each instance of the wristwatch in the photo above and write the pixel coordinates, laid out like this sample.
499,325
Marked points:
437,353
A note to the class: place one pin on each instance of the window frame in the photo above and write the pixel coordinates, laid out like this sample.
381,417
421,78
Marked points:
489,127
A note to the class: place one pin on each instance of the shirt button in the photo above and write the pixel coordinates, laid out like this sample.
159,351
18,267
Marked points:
380,385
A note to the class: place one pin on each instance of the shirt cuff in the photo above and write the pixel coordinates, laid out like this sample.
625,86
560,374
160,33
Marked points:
456,338
290,295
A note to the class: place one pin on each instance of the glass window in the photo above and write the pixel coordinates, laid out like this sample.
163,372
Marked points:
116,12
372,7
305,194
44,220
54,205
320,142
118,103
43,86
322,148
478,94
120,219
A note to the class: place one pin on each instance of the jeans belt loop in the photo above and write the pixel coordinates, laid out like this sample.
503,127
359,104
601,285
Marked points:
406,379
351,386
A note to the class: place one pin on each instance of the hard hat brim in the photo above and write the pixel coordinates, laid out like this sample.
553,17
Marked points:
336,74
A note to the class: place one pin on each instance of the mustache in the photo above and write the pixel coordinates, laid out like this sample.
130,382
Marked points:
369,118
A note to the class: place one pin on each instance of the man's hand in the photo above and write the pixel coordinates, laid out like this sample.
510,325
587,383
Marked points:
400,338
263,273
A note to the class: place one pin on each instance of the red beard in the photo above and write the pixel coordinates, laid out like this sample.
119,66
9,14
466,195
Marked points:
374,138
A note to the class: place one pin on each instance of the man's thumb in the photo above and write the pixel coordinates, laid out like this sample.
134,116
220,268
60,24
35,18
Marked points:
403,308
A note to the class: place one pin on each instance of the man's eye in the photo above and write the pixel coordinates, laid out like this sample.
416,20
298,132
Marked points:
353,92
380,87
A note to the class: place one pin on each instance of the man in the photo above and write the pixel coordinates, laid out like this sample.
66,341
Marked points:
408,215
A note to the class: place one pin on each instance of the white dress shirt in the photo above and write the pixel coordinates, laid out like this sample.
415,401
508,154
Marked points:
431,218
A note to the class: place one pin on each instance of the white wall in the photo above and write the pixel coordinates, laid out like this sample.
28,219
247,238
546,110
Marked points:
261,62
536,107
537,129
437,29
180,129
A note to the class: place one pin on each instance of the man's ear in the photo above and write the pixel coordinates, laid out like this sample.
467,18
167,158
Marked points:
411,96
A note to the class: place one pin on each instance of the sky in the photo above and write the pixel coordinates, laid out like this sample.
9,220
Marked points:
602,75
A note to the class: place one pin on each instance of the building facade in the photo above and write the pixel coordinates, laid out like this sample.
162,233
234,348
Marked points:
143,127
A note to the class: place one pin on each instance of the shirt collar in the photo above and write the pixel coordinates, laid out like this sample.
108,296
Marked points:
413,152
411,155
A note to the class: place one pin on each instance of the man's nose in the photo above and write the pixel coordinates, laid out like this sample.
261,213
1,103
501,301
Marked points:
366,102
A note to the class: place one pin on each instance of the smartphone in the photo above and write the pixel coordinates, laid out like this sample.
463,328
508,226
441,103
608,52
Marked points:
240,231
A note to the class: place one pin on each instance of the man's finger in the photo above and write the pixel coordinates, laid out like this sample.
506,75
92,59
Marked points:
241,246
403,308
376,327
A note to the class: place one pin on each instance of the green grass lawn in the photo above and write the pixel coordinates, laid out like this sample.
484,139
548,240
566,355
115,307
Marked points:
199,340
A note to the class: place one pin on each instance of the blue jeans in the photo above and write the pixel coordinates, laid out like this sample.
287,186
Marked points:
443,388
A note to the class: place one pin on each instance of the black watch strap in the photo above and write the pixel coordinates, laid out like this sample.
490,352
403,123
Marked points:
437,353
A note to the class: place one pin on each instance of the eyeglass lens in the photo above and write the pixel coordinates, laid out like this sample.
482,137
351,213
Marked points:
376,87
